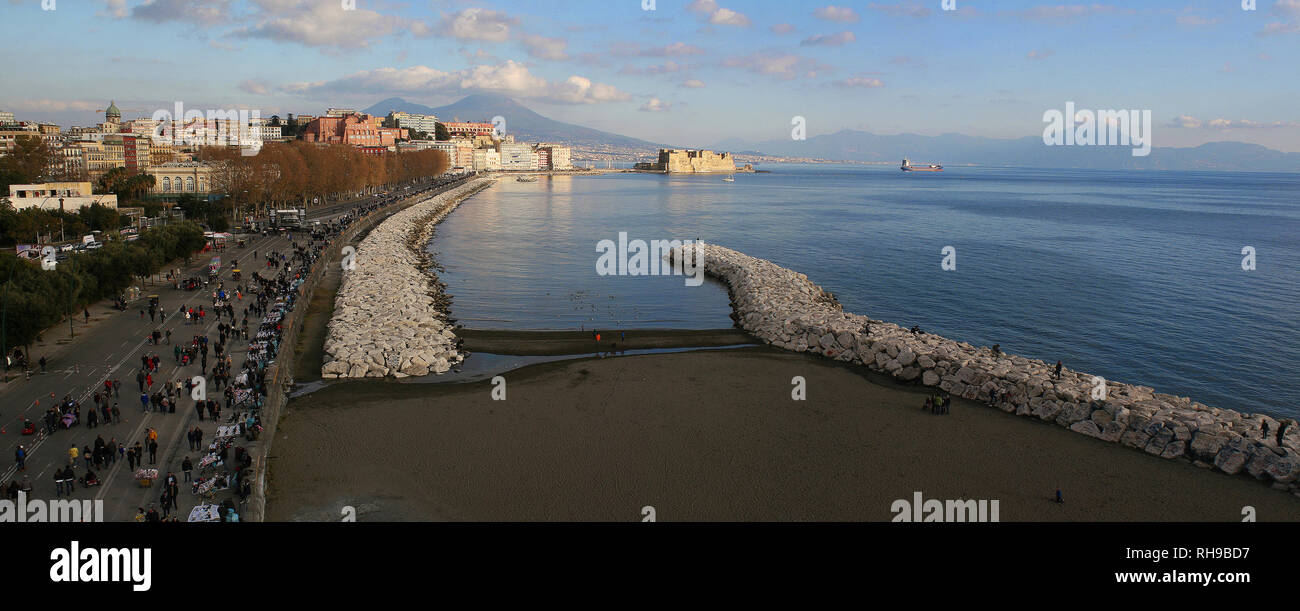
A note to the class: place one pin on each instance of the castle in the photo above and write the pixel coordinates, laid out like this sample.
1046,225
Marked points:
690,162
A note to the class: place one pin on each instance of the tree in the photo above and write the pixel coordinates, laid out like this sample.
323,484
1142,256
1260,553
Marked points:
440,131
28,162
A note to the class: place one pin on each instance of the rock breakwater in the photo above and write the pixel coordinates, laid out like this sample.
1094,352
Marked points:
390,312
783,308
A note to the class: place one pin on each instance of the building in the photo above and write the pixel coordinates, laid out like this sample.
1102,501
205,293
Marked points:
486,160
340,112
415,122
462,129
302,120
354,129
459,152
112,115
6,117
68,196
177,178
518,156
561,158
690,162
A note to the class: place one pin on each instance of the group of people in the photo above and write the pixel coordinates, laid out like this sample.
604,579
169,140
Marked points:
938,403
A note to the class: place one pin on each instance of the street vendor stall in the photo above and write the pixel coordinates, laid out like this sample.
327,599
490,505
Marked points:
205,513
146,477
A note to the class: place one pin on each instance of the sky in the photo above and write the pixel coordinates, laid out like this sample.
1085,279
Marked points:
689,71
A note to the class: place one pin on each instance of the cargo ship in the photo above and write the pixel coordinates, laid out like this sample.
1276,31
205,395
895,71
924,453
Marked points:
929,167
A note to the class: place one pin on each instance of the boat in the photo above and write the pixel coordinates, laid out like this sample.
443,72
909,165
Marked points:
730,178
929,167
526,179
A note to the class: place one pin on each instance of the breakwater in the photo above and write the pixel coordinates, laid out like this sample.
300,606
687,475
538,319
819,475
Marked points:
785,309
389,315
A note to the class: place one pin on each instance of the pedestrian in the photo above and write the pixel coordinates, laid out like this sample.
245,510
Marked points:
42,363
117,414
88,456
87,313
1057,375
72,455
186,467
58,483
20,456
117,388
1060,500
153,452
130,459
144,402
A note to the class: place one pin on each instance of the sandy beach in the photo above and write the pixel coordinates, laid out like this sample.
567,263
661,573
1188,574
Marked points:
709,435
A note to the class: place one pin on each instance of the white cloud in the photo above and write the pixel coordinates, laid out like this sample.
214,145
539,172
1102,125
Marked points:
30,105
255,86
859,81
785,66
693,84
199,13
901,9
510,78
1040,54
655,105
1190,122
543,47
829,40
840,14
675,49
781,28
478,24
113,8
1196,20
716,15
668,67
322,24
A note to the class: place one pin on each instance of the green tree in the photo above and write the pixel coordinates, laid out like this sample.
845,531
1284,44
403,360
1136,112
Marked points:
440,131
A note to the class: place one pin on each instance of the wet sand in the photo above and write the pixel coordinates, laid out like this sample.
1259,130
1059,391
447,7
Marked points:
709,435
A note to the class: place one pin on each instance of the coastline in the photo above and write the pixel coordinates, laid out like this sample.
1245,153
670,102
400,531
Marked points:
390,315
783,308
708,435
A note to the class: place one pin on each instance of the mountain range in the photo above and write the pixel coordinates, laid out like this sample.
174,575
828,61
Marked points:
860,146
526,125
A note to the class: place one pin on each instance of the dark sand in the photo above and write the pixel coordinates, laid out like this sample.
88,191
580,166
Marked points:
709,435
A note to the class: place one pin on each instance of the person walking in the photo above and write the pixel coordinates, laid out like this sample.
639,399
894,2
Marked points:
144,402
153,452
130,459
1057,375
72,455
20,456
186,467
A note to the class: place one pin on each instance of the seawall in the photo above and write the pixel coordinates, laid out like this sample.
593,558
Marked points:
783,308
389,318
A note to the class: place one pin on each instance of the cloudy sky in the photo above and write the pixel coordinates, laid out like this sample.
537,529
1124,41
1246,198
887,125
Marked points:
690,71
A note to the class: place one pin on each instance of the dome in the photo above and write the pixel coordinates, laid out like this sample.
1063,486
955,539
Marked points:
112,114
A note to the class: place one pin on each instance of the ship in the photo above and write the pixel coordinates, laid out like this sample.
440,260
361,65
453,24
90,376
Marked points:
929,167
526,179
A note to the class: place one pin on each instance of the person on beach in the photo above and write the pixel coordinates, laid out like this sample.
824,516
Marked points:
1057,375
1060,500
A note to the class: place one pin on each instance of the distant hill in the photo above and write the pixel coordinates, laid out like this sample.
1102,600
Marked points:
525,124
853,145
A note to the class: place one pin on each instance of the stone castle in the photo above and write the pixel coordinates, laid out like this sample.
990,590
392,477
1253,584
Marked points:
690,162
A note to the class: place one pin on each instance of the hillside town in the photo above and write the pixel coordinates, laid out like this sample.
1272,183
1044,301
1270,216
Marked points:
169,150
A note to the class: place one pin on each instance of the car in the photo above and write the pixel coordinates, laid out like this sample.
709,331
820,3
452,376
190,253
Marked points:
94,245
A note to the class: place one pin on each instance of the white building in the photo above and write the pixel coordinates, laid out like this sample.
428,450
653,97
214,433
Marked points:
518,156
415,122
486,160
340,112
69,196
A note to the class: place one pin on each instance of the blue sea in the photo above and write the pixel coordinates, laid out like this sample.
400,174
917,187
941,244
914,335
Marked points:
1134,276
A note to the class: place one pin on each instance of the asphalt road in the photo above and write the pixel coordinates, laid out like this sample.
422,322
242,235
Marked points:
110,346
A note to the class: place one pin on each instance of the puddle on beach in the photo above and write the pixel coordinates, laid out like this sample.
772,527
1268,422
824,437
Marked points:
483,365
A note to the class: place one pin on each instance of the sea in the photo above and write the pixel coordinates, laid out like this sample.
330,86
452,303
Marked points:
1188,282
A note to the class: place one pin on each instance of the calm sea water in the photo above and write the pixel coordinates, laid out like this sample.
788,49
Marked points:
1133,276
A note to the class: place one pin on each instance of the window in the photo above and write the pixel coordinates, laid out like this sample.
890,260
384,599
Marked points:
167,184
189,184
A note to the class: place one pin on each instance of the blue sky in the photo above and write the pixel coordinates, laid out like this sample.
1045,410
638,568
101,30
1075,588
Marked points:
687,71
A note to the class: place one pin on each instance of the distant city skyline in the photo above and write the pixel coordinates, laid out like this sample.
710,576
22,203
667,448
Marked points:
695,72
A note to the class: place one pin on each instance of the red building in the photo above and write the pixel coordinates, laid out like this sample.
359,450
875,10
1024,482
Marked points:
354,129
468,129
